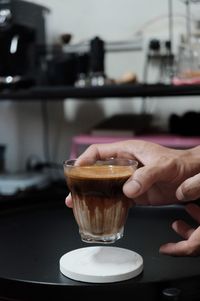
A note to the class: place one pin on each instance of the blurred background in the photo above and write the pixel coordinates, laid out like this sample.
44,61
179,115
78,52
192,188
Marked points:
57,43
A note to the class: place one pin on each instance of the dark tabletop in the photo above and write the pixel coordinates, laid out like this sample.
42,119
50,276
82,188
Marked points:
35,235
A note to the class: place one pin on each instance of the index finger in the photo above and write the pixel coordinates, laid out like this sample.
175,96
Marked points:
105,150
180,248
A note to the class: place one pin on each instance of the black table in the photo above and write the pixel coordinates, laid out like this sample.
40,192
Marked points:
33,237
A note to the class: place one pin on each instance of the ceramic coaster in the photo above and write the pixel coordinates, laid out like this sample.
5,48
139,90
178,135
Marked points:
101,264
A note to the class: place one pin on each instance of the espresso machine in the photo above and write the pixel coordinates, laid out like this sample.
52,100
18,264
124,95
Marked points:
22,36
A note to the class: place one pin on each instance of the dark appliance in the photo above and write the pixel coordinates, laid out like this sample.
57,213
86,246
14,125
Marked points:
97,54
22,36
61,69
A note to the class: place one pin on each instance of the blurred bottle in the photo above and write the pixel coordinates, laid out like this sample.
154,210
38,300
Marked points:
82,70
97,55
188,65
159,62
188,62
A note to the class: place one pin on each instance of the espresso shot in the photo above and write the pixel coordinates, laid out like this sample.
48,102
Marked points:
99,204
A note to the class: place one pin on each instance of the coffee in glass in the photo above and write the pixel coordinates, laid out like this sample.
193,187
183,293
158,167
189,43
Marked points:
99,204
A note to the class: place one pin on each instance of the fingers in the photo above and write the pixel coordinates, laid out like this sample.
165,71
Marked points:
141,180
189,189
184,247
100,151
144,177
68,201
183,229
144,151
175,249
132,188
191,243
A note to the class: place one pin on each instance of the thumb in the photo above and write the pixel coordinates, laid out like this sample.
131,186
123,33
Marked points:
143,178
189,189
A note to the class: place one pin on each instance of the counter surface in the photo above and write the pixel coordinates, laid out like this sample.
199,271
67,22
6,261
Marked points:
34,236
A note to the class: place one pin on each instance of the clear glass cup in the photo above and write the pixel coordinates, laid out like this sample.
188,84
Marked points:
99,204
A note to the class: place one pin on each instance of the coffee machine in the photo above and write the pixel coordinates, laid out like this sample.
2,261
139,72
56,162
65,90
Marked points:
22,36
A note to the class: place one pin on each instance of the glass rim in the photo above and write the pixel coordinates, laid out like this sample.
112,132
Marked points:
107,161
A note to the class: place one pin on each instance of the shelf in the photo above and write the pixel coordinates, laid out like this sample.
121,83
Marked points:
111,91
135,44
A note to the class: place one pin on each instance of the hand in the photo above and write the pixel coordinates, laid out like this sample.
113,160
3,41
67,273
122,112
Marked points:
161,178
189,189
191,243
68,201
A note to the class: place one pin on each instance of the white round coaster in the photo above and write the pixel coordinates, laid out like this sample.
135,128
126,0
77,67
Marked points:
101,264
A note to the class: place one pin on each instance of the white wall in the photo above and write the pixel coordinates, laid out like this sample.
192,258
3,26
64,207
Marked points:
21,123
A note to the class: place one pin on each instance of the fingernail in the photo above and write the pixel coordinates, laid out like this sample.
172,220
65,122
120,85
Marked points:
132,187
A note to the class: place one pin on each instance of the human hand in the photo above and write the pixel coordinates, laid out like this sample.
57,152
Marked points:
162,170
190,245
68,201
189,189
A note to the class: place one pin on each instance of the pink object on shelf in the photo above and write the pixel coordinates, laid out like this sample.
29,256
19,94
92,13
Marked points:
186,81
168,140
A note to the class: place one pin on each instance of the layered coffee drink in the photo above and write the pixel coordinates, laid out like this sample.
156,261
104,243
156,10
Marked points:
99,205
